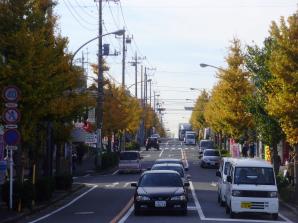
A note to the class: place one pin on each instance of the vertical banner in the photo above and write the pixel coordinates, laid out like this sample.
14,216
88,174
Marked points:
267,153
234,149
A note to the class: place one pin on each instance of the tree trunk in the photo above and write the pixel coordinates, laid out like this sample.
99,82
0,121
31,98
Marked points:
276,163
58,159
296,170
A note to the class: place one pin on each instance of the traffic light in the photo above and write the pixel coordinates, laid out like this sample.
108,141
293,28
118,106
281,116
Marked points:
106,49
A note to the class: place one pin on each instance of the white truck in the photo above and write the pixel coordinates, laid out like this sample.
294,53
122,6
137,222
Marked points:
190,138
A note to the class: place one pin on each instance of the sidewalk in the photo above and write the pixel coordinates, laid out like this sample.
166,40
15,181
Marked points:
7,216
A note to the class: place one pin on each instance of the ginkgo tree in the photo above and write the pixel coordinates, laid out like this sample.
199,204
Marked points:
226,112
35,59
283,65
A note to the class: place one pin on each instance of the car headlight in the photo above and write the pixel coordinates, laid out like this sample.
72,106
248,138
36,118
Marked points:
179,198
236,193
142,198
273,194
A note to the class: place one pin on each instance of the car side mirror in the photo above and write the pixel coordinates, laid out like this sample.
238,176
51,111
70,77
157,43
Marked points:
188,176
186,184
229,179
218,173
134,184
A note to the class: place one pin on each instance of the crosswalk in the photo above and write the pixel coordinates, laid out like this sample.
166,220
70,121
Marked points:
179,148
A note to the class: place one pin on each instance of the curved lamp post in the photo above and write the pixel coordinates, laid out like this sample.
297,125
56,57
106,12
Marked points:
203,65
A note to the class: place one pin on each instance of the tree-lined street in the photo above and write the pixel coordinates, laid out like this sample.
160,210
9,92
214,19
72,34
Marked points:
105,196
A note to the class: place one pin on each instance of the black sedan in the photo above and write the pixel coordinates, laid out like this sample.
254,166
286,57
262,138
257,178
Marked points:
160,190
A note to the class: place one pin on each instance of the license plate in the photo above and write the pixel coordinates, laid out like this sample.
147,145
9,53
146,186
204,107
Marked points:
245,205
160,204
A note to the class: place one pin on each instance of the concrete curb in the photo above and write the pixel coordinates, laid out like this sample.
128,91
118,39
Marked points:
43,206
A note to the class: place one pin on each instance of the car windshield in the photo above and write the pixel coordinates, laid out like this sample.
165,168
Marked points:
206,144
160,180
254,175
175,168
128,156
190,136
211,153
227,166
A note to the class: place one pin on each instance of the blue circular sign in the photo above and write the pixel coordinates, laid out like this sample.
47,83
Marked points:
11,93
12,137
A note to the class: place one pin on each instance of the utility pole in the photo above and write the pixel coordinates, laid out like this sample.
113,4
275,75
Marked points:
150,82
135,62
123,58
99,112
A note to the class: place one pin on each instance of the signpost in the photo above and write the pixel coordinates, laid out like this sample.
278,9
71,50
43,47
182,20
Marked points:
11,137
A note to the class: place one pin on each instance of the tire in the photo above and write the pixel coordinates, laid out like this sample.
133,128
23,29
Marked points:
137,212
184,212
218,198
274,216
232,214
227,209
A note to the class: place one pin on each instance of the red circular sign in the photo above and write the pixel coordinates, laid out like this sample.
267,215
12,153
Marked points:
11,115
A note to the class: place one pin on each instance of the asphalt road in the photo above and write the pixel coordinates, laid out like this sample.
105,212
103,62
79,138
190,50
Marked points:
108,198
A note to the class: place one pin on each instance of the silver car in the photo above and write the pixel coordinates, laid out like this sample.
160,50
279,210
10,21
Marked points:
210,158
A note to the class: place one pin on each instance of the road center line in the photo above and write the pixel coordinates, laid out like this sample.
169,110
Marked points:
119,218
65,206
115,172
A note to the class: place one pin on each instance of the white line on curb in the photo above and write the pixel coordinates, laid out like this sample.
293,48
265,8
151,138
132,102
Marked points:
65,206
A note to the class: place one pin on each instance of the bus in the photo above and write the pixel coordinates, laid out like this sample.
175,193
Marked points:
183,127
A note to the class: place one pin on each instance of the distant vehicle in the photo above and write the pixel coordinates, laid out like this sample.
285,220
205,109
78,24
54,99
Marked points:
160,190
190,138
222,173
170,160
251,188
130,161
152,142
210,158
183,127
156,136
205,144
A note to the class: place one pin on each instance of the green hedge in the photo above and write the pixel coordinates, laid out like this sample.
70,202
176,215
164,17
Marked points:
63,182
132,146
225,153
282,182
45,187
109,160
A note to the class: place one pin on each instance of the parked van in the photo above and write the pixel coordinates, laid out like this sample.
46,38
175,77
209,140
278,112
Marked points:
222,173
251,187
130,161
205,144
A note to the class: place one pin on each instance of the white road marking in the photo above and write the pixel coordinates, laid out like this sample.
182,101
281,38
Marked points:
128,183
85,212
115,172
213,184
128,213
160,153
74,178
192,208
198,206
87,175
241,220
285,218
112,185
65,206
146,156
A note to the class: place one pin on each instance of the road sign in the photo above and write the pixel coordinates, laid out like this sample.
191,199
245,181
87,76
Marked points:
188,108
11,105
11,126
11,94
11,115
12,137
11,147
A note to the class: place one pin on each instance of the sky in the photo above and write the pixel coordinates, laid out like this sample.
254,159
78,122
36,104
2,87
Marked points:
171,37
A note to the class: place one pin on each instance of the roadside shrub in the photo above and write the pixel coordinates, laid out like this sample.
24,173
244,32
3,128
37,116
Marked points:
109,160
44,187
282,182
225,153
23,192
63,182
132,146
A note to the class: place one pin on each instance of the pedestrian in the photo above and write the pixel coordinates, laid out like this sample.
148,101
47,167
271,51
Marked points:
252,150
244,149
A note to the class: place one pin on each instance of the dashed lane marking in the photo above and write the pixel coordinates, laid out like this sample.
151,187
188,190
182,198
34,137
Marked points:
115,172
84,212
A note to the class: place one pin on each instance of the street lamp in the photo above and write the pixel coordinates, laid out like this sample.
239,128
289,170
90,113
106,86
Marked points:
203,65
117,32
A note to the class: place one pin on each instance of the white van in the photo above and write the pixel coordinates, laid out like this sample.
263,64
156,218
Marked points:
190,138
251,187
222,173
130,161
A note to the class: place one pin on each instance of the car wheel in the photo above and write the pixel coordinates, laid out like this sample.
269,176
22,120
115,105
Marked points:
232,214
222,203
227,209
218,198
184,212
275,216
137,212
